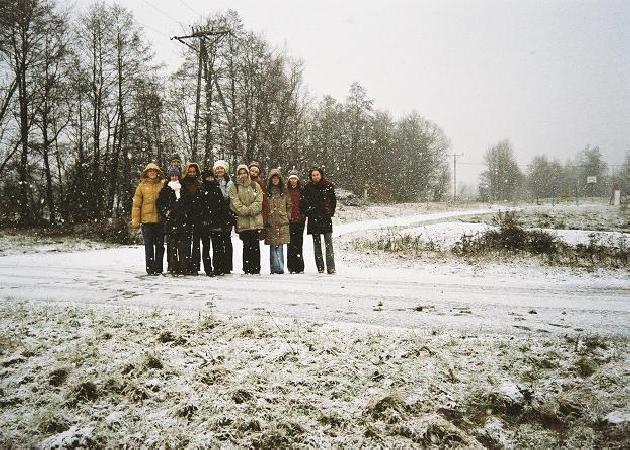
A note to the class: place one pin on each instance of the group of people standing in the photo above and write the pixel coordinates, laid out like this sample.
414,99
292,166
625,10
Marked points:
195,210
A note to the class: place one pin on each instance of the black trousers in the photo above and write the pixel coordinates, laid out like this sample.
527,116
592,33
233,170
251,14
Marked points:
295,257
178,253
229,250
222,257
251,251
153,236
201,235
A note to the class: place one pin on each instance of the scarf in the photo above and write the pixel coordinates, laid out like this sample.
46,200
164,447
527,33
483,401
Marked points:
223,186
177,187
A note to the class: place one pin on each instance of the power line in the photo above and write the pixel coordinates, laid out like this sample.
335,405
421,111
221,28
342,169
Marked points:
163,12
150,27
191,9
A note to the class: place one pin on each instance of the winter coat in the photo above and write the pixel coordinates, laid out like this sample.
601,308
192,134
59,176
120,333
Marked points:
318,204
246,200
279,200
193,187
144,208
296,193
175,211
215,209
225,185
265,205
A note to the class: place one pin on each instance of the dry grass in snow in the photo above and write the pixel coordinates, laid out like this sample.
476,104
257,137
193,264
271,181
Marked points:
108,376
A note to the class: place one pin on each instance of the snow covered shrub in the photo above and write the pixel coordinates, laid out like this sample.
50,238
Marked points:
596,252
113,230
508,236
394,242
349,198
511,236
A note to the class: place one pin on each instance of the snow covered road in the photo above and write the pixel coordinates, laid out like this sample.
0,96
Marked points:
437,296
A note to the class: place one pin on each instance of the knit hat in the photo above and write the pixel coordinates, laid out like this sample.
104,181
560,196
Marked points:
174,171
254,163
221,163
294,174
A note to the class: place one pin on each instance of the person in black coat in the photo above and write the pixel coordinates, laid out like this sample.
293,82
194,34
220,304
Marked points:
216,218
318,204
221,169
192,186
175,206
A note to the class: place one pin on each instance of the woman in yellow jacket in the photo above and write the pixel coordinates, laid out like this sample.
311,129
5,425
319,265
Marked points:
145,213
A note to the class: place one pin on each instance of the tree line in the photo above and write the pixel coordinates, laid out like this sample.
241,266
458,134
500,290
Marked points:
586,175
83,107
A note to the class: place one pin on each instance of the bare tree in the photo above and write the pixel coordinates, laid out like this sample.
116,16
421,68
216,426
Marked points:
21,33
51,89
502,178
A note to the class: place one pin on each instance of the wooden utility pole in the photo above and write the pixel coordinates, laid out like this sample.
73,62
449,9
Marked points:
455,155
193,155
202,52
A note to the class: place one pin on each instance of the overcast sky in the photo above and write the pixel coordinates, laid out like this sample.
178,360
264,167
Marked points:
550,75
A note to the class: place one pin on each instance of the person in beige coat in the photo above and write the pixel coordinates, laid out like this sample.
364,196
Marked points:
277,226
246,199
145,214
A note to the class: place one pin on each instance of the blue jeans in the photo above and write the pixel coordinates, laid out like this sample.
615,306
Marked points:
276,258
153,235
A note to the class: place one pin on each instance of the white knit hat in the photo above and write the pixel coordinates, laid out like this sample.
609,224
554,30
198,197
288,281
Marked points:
221,163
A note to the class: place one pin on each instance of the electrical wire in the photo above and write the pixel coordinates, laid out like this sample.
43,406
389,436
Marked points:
163,12
190,8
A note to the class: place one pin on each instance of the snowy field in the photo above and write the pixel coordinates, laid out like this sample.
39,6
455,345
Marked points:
446,234
389,351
